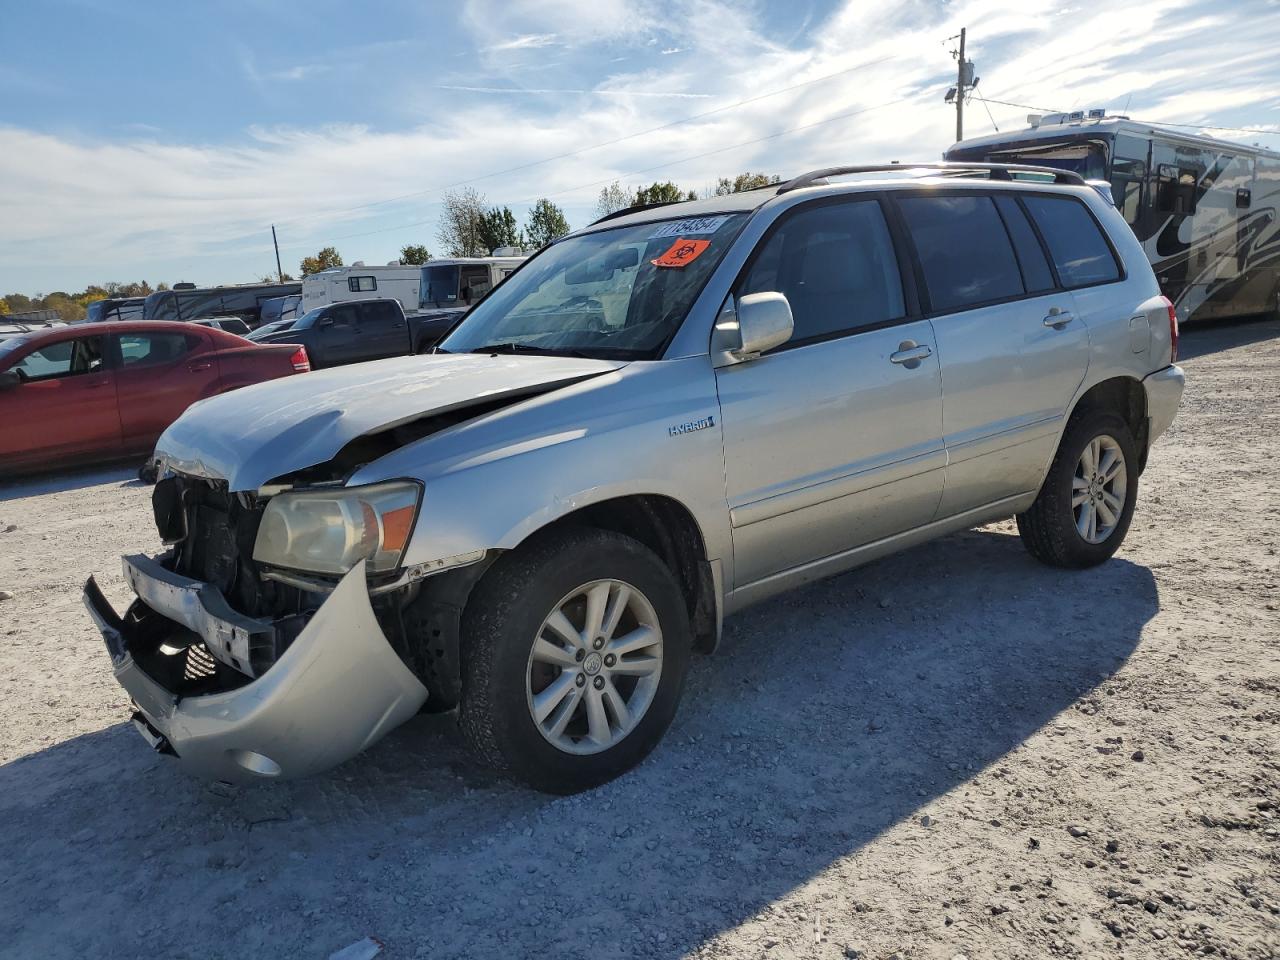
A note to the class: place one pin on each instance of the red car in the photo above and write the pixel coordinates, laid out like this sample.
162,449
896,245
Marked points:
89,392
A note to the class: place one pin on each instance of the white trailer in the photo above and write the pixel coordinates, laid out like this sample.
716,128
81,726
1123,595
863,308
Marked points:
395,281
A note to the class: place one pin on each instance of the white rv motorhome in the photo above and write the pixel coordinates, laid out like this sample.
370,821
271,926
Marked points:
1206,211
395,281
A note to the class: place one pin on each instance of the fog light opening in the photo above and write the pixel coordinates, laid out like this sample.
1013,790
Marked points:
256,763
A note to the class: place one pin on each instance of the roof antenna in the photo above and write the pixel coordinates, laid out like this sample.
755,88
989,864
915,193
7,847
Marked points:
1128,100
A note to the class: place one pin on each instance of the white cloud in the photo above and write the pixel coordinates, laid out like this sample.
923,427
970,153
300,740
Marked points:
529,41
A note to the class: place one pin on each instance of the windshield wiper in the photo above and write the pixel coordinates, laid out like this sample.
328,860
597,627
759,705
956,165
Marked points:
509,347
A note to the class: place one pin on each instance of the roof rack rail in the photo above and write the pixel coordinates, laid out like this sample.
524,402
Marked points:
994,171
634,208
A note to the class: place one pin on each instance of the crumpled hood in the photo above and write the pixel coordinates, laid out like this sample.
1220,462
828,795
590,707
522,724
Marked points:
253,435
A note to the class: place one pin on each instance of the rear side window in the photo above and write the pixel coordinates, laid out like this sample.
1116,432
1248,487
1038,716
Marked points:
1036,275
1080,251
148,349
964,250
837,267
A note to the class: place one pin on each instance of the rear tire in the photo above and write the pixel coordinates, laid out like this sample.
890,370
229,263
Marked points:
574,654
1084,508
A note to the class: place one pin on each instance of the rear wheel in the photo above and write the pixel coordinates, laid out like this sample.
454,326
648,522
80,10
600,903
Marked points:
575,650
1084,508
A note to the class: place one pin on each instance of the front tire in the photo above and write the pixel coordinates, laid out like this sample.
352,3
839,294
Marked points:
575,649
1084,508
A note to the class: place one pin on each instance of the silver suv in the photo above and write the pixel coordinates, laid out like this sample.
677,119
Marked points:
654,422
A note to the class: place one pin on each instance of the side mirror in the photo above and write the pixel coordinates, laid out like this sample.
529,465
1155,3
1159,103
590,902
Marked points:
757,323
10,379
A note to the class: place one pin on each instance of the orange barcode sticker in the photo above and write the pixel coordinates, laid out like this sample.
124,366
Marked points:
682,253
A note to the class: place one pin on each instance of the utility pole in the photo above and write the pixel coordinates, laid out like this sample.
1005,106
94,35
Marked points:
960,84
276,243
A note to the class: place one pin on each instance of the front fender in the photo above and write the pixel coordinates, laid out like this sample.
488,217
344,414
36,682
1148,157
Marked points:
492,483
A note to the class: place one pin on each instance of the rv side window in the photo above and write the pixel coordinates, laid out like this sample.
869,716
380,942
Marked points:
362,284
1177,191
1128,177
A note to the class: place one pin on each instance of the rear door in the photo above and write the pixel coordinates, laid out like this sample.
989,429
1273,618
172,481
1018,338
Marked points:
383,329
65,407
1013,352
158,375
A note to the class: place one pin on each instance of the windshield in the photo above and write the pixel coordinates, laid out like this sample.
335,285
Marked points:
10,344
269,328
1085,157
617,293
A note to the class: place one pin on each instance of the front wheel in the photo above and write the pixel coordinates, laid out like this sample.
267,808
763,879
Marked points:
1084,508
574,655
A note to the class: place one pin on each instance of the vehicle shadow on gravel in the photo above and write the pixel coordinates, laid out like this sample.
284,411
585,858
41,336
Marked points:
32,485
828,717
1209,336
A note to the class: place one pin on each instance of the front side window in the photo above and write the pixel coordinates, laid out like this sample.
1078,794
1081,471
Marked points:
1080,251
836,266
621,292
362,284
151,349
964,250
1129,176
344,316
66,358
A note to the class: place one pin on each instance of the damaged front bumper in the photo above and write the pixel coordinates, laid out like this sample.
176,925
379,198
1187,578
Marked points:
338,688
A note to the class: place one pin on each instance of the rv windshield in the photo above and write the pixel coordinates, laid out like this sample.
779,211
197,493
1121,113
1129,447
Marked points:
439,287
613,294
1085,157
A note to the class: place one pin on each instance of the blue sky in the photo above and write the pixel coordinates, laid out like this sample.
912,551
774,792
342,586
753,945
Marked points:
159,141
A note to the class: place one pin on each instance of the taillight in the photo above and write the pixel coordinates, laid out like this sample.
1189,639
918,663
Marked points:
302,363
1173,330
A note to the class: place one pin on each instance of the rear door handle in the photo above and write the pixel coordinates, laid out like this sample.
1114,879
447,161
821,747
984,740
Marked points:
1057,318
910,354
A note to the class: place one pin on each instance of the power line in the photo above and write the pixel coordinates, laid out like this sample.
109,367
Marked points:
660,166
1159,123
595,146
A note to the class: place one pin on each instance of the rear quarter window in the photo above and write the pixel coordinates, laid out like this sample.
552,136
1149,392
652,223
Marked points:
1079,249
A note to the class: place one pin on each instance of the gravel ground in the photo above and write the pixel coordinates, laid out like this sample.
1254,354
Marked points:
954,751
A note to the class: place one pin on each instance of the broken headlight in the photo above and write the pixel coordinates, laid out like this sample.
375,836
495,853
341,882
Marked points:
330,531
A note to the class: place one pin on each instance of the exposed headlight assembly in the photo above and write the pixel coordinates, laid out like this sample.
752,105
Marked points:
330,531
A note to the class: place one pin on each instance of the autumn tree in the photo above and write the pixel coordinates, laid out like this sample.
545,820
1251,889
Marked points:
546,223
612,199
459,227
326,259
414,253
666,192
4,308
744,181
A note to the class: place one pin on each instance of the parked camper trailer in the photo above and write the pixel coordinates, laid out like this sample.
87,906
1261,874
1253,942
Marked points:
1206,211
394,281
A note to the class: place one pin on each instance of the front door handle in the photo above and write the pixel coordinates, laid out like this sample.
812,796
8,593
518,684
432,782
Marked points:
1057,318
198,366
910,354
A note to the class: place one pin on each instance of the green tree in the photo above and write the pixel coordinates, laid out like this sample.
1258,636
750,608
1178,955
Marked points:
498,228
324,260
459,226
666,192
546,223
744,181
414,253
612,199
